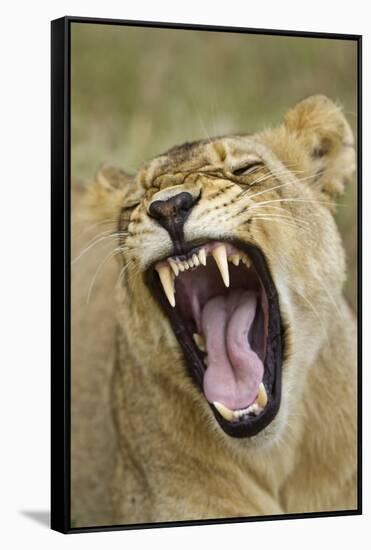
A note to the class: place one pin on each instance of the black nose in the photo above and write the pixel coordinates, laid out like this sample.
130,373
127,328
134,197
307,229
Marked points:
175,207
172,214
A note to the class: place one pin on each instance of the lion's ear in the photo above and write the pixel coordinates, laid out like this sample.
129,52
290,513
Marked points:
322,129
111,190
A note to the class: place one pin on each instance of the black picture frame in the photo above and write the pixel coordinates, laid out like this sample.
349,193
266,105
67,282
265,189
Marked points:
61,273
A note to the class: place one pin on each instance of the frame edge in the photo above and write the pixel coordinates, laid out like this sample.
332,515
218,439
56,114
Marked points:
60,388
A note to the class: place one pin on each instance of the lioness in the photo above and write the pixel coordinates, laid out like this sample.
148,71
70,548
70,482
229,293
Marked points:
234,385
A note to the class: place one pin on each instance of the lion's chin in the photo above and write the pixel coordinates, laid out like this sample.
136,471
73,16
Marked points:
223,308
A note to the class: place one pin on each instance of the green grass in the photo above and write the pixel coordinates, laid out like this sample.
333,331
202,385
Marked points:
137,92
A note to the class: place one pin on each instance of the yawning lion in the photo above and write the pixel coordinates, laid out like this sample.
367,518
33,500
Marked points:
234,381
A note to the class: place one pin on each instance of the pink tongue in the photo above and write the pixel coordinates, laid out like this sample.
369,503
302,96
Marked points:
234,370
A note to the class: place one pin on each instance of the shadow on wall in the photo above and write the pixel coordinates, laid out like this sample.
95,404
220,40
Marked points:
42,517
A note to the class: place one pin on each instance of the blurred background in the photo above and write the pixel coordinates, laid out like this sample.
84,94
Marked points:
136,92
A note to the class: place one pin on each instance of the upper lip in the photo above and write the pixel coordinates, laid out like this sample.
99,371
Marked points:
245,426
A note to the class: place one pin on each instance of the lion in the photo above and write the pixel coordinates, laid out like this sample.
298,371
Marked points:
233,350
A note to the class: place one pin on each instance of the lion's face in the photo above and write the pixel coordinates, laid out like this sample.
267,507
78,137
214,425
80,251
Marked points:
232,265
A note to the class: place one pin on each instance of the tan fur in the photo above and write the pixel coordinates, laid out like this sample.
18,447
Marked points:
174,462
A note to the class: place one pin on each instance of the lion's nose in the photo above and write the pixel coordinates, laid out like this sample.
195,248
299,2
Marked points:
177,206
172,214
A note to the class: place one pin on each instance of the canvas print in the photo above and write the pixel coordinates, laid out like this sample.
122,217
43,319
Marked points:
213,275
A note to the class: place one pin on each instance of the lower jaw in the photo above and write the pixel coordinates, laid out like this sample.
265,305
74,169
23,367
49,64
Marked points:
246,426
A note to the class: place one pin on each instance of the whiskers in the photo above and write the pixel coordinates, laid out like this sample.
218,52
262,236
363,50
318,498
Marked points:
290,199
273,209
294,199
92,226
330,298
112,238
102,237
314,310
117,251
288,221
203,126
293,181
266,177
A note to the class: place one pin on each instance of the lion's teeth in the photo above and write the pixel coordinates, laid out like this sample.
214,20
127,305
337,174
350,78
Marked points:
202,256
174,267
167,282
199,341
224,411
246,260
252,409
262,398
235,259
220,256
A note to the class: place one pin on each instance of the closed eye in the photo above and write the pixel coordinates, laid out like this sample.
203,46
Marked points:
130,206
247,168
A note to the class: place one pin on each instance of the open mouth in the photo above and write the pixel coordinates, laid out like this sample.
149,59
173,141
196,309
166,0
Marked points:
223,307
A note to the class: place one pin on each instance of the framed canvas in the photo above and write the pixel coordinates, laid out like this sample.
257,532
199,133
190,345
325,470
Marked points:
206,279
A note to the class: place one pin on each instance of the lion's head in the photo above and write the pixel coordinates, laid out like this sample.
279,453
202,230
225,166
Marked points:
232,265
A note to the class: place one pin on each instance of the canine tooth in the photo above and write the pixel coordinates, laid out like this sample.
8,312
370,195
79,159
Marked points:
262,398
199,341
167,283
195,260
220,256
235,259
224,411
202,256
174,267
